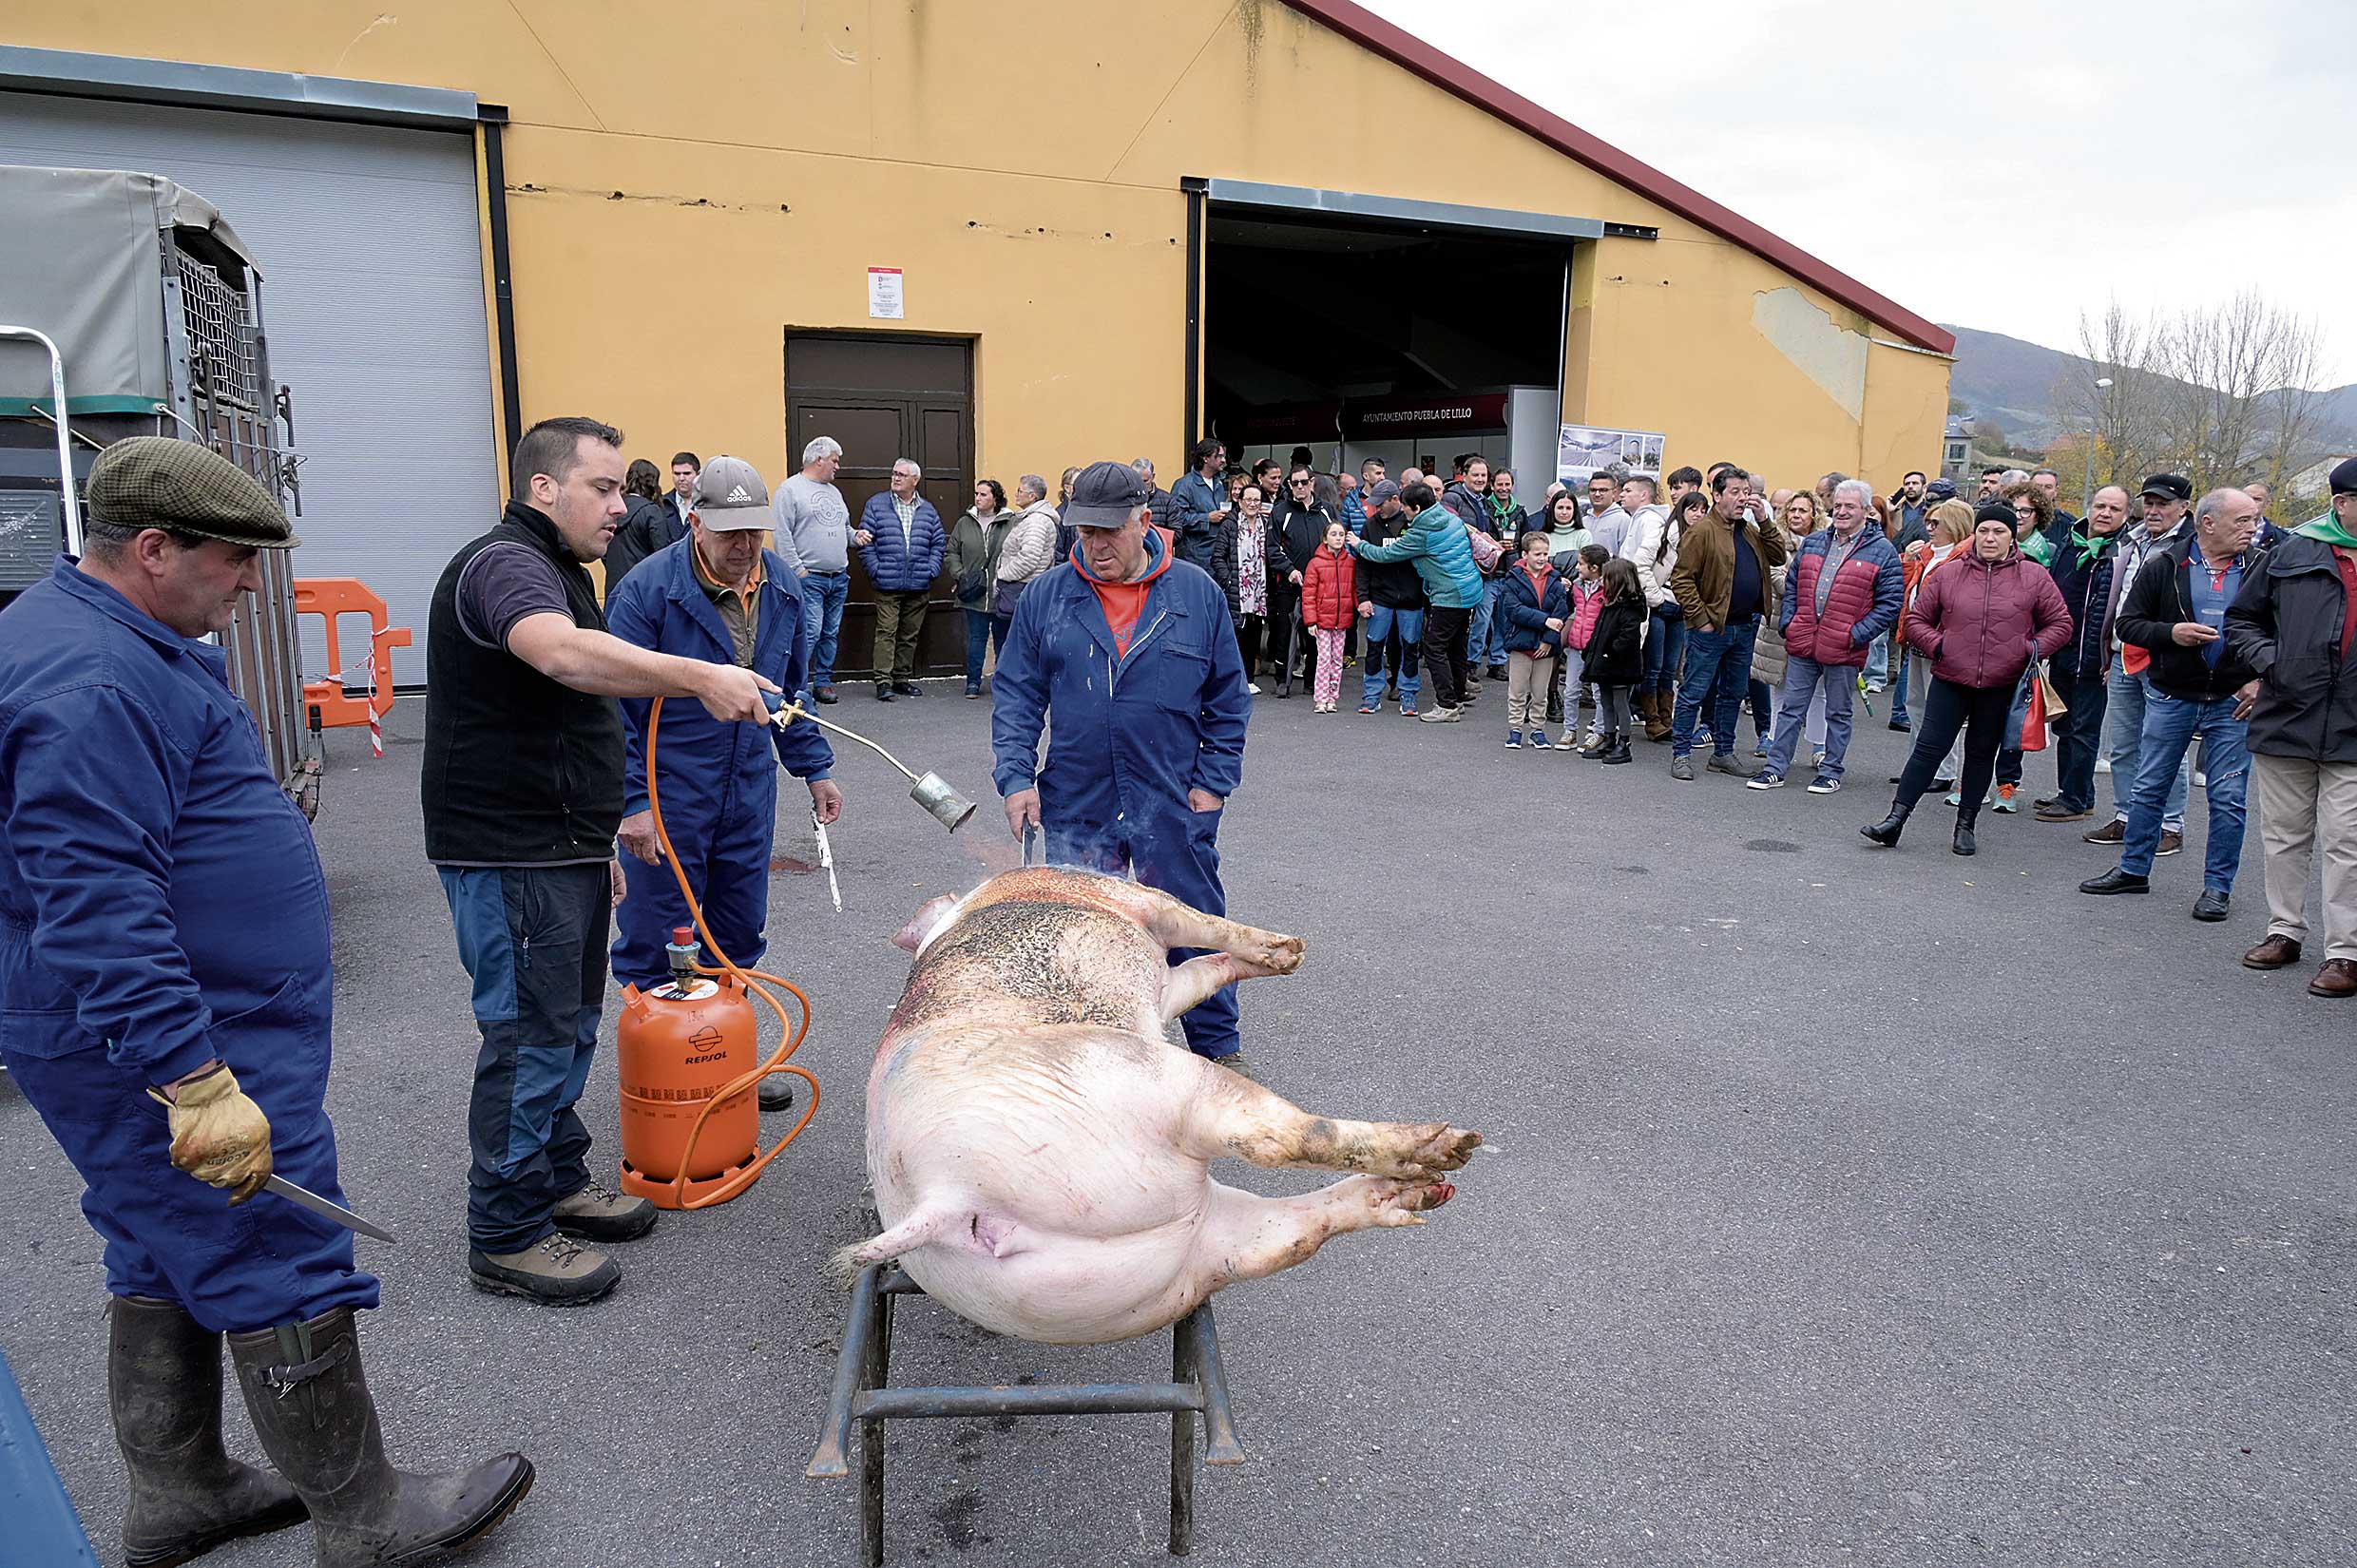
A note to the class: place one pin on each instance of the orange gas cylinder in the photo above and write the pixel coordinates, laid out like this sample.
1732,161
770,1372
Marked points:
678,1045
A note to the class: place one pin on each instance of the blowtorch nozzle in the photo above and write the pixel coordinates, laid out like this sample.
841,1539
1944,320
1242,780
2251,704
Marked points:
949,808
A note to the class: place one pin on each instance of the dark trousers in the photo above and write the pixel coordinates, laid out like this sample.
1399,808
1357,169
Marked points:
1248,643
984,631
533,940
2077,737
899,618
1287,642
1979,712
1444,654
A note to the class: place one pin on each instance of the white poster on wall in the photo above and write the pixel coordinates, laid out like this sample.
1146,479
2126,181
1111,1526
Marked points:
1583,448
885,300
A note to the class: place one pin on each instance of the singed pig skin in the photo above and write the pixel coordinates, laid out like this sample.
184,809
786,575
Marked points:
1040,1154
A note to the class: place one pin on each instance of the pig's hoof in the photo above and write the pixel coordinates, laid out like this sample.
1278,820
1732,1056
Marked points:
1273,955
1399,1202
1438,1147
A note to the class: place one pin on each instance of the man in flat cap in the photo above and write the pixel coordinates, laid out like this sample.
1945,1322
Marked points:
165,982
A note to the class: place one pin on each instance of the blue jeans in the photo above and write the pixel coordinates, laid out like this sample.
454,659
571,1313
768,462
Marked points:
1484,634
2123,731
1878,659
1802,676
1898,687
2170,725
1719,669
984,631
823,595
1383,623
1665,646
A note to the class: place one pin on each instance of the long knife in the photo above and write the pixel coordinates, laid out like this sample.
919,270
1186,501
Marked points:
826,858
321,1206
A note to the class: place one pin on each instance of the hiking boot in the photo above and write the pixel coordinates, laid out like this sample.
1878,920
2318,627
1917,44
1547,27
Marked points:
1681,769
164,1387
309,1401
2114,831
555,1271
2274,953
598,1215
2171,841
1727,762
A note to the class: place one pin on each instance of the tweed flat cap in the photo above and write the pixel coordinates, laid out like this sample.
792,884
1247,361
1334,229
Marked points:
160,481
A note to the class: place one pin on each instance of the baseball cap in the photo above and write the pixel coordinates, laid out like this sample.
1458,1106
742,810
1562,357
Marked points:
163,482
1106,495
730,495
1385,490
2175,486
2343,478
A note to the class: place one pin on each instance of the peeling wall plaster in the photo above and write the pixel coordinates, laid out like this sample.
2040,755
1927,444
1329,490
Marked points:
1832,358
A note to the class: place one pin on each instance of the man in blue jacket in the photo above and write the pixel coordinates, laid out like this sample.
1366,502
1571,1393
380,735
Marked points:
901,542
165,993
1134,654
716,595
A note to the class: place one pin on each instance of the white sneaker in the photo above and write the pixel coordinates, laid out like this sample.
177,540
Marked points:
1440,715
1253,686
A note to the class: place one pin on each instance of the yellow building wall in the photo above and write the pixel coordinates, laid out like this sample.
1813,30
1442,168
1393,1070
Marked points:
689,180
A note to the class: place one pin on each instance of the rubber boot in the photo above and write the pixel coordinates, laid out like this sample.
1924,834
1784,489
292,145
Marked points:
1965,843
1886,832
164,1387
312,1410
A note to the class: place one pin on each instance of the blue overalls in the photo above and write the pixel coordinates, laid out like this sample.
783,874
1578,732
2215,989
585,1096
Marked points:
718,781
160,904
1132,736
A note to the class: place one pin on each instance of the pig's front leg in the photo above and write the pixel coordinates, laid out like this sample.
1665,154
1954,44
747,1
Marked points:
1247,1236
1232,1116
1177,924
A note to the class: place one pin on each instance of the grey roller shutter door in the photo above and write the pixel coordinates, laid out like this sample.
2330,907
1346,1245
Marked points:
373,299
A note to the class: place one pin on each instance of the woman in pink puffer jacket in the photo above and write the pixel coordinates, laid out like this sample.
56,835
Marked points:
1980,620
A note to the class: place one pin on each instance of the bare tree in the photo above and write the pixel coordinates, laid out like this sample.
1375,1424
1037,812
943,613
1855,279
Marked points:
2122,417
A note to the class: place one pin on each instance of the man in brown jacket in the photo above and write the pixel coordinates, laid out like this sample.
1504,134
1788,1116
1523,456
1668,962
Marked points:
1721,583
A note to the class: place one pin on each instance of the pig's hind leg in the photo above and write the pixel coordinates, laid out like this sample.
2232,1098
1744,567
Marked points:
1232,1116
1246,1236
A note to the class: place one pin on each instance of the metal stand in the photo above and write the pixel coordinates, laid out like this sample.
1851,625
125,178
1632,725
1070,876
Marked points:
1199,1383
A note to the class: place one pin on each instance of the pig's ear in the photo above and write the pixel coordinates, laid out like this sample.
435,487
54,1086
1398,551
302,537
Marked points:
927,923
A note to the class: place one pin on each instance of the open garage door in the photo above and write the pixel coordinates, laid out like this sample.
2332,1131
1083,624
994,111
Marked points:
369,247
1364,326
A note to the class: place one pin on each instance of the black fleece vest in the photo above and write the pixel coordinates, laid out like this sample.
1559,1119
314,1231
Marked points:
519,769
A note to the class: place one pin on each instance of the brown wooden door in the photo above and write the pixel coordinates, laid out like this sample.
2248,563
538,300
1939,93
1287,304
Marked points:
885,396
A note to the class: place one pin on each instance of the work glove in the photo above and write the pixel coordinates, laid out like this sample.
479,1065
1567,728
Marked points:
219,1135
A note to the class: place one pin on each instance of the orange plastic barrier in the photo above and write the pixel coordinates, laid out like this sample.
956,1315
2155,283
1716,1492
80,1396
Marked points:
334,598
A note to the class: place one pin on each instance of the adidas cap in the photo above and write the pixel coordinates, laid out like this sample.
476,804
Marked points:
729,494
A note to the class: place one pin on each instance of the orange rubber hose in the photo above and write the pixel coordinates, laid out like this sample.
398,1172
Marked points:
790,1036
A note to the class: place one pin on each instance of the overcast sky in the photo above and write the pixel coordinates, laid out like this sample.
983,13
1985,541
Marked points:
2169,151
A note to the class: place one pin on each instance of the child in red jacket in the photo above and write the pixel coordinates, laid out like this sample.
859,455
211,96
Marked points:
1330,608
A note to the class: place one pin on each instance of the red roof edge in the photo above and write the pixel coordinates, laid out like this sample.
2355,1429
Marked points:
1412,53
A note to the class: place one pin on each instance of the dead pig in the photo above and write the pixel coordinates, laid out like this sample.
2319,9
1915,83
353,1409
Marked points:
1040,1155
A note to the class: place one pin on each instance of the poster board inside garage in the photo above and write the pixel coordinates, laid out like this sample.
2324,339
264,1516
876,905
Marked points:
369,243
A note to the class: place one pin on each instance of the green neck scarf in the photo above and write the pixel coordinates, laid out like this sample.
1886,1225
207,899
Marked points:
2089,546
2327,529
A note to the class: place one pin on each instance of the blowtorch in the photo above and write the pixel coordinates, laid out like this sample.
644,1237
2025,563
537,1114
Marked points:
933,792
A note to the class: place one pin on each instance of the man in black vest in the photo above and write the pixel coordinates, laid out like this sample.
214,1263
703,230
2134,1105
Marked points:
522,790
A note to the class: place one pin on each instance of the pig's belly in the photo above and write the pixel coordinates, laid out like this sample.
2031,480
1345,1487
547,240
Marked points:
1079,1216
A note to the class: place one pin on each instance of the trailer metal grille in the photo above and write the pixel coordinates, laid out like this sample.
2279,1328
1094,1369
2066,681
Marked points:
220,333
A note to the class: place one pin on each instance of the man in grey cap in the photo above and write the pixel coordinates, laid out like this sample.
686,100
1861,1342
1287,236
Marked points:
166,985
716,594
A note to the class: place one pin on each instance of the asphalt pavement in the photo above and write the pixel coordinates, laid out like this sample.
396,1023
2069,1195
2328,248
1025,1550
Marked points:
1843,1205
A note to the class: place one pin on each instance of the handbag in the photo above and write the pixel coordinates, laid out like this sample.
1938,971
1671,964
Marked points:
1002,602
